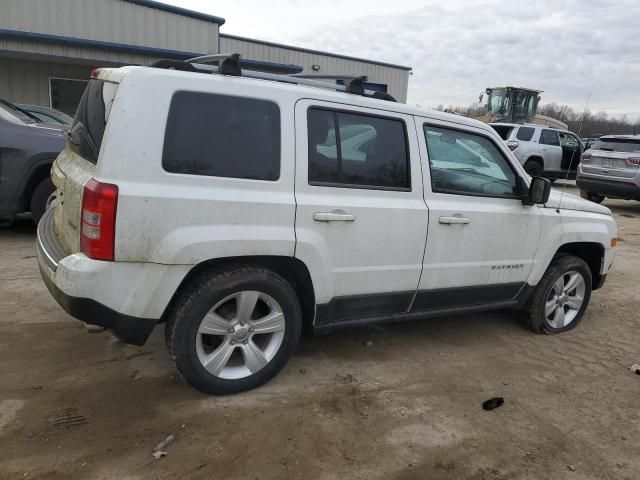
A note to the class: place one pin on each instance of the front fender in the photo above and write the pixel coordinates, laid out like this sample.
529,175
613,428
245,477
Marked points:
570,226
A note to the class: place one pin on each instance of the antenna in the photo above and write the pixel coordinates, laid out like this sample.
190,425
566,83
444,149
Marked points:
564,185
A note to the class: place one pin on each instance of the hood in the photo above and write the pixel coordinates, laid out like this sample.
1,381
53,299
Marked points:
573,202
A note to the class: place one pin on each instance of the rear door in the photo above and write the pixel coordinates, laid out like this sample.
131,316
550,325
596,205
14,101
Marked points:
550,150
361,219
76,164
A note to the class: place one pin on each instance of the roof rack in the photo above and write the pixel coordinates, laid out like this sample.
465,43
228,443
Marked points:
231,64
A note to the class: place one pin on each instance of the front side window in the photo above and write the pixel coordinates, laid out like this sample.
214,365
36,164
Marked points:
348,149
467,164
549,137
222,136
568,140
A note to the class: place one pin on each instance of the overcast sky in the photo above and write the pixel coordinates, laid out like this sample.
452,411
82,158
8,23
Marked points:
567,48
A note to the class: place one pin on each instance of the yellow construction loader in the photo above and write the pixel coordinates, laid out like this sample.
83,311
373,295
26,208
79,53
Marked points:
515,105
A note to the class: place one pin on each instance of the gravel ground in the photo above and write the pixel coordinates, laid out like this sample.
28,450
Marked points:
399,402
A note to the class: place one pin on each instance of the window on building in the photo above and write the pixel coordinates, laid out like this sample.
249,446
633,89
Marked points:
222,136
65,94
467,164
357,150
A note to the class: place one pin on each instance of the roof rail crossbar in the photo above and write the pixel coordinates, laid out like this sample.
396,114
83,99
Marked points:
325,76
356,85
229,65
229,62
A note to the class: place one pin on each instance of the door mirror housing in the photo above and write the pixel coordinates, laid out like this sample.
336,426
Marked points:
539,191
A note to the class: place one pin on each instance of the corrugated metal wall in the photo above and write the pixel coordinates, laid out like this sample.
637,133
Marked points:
397,79
73,54
28,82
112,21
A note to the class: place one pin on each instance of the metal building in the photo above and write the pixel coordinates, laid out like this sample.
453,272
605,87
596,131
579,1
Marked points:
49,47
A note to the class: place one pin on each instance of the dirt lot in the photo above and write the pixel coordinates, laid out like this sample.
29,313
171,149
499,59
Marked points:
74,405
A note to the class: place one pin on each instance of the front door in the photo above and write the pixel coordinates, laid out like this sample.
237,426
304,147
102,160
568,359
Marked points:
361,219
482,240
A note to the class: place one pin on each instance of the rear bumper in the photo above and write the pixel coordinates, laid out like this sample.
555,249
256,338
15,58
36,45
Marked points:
133,330
613,188
128,298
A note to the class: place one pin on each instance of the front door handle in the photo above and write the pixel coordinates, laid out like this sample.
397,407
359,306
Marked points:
334,216
454,219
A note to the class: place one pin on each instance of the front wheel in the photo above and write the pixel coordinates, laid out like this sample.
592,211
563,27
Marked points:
561,297
233,330
592,197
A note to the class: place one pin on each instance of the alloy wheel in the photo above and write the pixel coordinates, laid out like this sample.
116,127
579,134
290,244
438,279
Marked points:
240,335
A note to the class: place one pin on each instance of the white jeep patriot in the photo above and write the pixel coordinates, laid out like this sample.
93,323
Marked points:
237,209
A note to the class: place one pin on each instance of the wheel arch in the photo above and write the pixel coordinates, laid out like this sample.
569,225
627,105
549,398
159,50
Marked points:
36,175
592,253
535,158
291,269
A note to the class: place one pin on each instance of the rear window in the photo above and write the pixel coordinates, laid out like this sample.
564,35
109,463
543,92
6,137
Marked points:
617,145
503,130
222,136
87,129
525,133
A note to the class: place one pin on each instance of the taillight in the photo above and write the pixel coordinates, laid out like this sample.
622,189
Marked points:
98,221
585,156
95,73
512,145
635,161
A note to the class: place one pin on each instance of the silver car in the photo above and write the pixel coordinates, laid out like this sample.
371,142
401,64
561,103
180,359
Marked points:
610,169
542,150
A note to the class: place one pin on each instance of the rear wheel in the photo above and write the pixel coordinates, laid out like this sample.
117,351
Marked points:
561,297
533,168
592,197
233,330
39,198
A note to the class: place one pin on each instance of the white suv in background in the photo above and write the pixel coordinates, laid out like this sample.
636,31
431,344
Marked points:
543,151
237,210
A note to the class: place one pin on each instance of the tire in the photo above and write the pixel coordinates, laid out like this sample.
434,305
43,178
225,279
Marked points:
39,198
592,197
533,168
230,349
539,316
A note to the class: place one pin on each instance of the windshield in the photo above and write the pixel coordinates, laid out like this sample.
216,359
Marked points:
625,145
498,102
18,112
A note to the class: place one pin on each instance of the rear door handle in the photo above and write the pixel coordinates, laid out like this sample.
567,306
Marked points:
454,219
334,216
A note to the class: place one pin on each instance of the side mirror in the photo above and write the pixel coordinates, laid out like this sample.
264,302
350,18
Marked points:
539,191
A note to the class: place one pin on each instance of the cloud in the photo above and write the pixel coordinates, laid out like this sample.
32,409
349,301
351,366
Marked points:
567,48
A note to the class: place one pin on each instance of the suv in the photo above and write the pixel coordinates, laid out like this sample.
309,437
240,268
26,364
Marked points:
238,210
27,150
543,151
611,169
